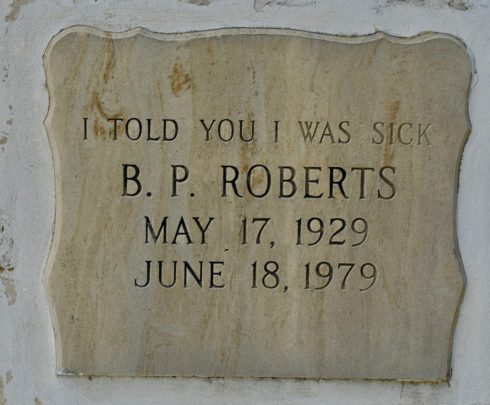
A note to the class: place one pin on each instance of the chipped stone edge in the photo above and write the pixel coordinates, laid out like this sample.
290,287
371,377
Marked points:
183,36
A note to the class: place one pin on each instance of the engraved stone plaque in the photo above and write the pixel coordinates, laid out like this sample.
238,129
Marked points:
255,203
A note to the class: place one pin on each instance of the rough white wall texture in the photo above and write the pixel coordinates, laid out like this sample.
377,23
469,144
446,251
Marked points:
27,357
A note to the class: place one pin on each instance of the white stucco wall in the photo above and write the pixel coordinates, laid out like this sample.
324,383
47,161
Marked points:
27,356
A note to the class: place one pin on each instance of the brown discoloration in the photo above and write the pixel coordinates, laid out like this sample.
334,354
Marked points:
84,298
98,104
100,124
248,125
99,129
111,61
391,113
392,109
3,140
37,401
387,155
10,291
210,50
15,7
180,80
257,178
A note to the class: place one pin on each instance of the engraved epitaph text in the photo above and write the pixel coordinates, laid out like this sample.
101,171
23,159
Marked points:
264,203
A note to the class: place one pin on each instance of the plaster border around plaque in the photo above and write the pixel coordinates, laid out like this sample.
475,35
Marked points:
354,39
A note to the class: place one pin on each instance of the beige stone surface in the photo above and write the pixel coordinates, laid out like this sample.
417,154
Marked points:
349,231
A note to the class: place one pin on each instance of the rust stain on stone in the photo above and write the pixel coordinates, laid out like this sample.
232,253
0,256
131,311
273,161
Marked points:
99,130
180,80
257,178
98,127
388,156
100,109
392,109
111,61
98,106
97,103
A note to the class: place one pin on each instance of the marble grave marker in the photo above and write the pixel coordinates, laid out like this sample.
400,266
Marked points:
255,203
